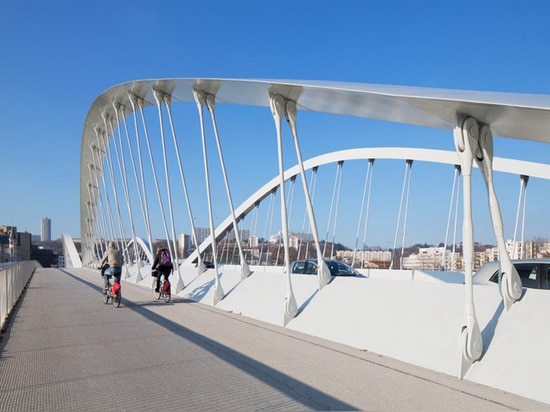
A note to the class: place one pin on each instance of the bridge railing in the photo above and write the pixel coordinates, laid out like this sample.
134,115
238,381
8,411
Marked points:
13,278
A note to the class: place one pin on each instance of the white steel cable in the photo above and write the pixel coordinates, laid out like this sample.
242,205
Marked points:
409,168
291,197
277,104
93,183
514,239
113,185
341,167
103,144
367,213
200,264
331,207
399,216
253,231
311,190
93,225
269,222
360,222
453,191
210,103
522,186
119,153
323,273
218,292
455,225
110,224
137,104
525,179
155,177
99,215
138,186
124,176
173,248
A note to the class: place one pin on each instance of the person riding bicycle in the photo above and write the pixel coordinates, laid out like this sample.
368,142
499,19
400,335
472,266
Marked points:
113,257
162,265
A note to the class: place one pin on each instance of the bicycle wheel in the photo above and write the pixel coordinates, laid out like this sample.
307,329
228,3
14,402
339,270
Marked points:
105,295
155,293
117,298
167,296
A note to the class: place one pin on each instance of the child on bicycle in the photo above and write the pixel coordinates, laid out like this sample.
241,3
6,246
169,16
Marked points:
162,265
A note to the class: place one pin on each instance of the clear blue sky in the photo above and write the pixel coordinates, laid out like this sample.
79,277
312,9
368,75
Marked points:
56,57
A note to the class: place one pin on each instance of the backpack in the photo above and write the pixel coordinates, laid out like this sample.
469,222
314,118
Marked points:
165,258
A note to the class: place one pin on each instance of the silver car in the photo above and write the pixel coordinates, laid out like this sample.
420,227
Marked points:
534,273
309,267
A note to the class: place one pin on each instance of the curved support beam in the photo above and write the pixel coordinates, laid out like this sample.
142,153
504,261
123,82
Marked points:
466,135
323,271
399,153
510,282
200,99
518,116
277,110
245,269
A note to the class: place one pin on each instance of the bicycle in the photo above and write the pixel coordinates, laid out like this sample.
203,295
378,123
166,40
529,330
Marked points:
113,292
164,291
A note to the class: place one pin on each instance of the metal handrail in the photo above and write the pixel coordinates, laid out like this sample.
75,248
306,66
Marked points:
13,279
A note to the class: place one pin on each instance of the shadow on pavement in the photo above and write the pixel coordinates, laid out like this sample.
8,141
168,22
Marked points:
297,390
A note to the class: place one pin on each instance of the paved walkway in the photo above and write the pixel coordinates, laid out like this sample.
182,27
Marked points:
65,350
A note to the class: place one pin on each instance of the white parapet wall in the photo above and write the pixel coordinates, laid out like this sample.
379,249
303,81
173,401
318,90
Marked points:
412,316
13,279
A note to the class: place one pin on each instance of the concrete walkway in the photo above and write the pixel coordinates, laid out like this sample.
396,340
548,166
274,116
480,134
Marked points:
65,350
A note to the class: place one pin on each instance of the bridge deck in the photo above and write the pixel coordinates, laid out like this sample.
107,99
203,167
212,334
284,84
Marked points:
65,350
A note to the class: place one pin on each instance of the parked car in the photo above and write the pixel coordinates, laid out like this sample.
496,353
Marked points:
534,273
309,267
207,264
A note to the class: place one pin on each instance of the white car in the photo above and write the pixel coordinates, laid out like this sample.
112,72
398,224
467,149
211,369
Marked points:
534,273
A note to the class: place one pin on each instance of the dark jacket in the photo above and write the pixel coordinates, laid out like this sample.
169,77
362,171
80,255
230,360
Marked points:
164,269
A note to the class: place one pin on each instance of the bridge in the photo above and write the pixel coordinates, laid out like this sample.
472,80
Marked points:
418,317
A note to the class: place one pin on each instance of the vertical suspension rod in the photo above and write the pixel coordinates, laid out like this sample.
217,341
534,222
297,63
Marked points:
210,103
409,169
137,104
200,100
200,265
173,247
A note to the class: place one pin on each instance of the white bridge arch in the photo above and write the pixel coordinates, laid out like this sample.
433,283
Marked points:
473,116
512,166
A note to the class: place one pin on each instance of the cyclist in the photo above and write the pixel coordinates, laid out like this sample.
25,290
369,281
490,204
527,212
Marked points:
162,265
113,257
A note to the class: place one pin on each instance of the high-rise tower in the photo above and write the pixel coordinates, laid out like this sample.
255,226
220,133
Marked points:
45,229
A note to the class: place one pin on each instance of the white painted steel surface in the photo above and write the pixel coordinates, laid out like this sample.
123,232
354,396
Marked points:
521,116
409,315
512,166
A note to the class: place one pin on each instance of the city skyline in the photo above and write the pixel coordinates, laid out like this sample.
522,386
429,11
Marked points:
51,77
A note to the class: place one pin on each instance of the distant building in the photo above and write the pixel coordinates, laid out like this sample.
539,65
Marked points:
202,233
9,251
24,243
45,229
184,245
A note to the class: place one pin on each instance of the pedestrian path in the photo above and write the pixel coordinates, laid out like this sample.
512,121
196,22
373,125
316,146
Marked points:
66,350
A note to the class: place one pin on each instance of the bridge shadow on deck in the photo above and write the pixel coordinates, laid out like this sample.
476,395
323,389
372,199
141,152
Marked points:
307,395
